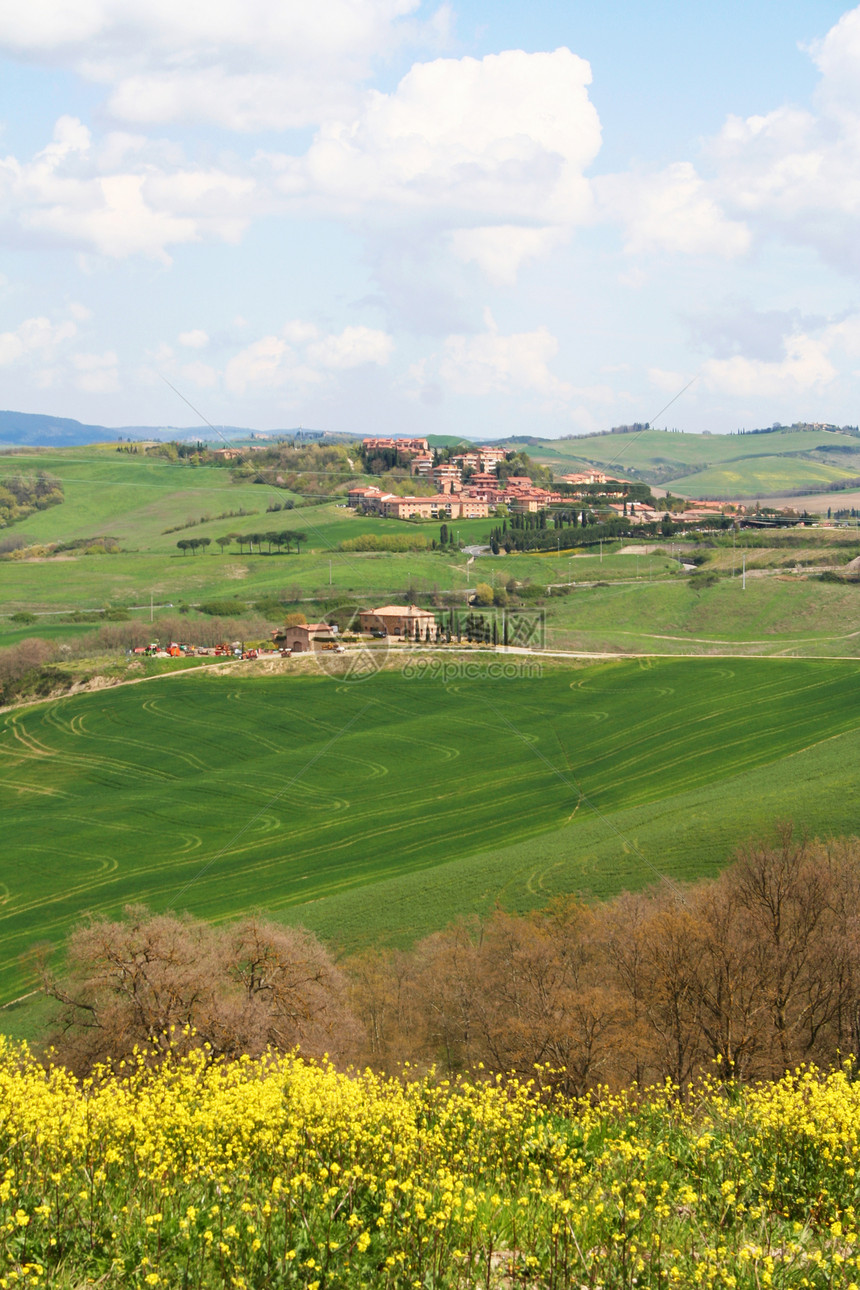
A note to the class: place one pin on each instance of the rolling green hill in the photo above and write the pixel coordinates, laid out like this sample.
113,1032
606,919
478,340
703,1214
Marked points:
133,498
381,809
745,465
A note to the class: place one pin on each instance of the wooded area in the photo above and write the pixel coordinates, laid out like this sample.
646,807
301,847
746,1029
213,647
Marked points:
744,977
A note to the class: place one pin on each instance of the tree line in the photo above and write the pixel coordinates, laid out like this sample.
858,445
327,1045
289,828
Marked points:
279,539
742,976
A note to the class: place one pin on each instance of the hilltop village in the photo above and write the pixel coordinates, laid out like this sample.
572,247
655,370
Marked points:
471,485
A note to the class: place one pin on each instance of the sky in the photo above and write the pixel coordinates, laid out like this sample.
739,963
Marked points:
409,217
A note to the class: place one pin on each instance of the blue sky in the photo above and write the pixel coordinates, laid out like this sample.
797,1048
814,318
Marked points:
471,218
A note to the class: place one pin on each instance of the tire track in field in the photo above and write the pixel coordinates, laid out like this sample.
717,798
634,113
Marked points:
240,729
37,752
326,846
433,817
78,728
756,742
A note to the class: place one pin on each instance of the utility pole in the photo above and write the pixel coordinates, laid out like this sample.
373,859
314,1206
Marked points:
329,573
744,585
150,606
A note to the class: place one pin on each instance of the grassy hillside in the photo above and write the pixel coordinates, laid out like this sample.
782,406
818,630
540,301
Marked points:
761,476
132,498
135,499
218,794
775,615
714,465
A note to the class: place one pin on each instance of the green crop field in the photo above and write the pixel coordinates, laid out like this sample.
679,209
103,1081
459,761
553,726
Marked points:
693,451
90,581
774,615
714,465
381,809
766,475
135,499
132,498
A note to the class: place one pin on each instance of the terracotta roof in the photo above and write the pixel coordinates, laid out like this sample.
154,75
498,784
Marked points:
402,611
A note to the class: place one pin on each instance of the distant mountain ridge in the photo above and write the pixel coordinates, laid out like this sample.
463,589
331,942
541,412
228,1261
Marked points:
36,429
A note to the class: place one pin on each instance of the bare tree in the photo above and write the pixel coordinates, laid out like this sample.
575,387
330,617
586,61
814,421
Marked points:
238,989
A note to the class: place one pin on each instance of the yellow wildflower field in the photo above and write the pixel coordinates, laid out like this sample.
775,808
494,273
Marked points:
187,1172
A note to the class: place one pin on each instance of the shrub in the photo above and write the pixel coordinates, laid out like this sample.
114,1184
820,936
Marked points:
223,608
386,542
699,581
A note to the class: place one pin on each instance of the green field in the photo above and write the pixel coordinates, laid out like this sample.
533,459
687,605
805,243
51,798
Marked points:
761,476
132,498
781,614
90,582
382,809
135,498
714,465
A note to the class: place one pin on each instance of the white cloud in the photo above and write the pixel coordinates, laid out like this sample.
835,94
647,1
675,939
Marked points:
68,194
500,250
491,151
194,339
795,174
33,336
673,211
845,335
837,57
243,64
97,373
486,158
273,362
792,174
493,363
298,332
352,348
263,365
806,366
667,381
203,375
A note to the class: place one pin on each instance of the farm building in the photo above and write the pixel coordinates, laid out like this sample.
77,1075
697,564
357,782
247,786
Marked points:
400,620
306,638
